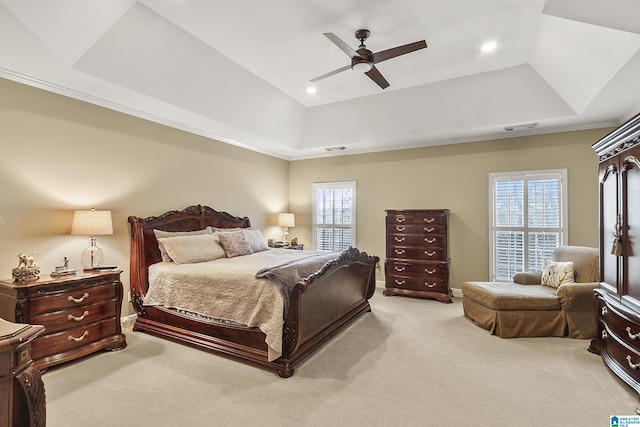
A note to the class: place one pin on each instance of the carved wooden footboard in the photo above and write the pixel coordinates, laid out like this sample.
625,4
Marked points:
320,306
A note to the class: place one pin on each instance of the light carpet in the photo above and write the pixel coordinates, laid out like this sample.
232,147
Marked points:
409,362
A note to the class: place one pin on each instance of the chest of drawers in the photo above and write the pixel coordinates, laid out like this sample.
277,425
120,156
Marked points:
80,313
417,254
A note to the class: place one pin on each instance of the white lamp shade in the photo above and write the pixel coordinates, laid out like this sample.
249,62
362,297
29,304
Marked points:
91,223
286,220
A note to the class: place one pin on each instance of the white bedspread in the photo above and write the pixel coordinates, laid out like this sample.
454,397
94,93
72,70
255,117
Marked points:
227,289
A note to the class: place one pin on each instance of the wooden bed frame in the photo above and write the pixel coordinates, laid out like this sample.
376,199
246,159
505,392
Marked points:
321,305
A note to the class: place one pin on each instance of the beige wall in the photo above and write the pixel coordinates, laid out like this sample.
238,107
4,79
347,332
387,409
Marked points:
59,154
453,177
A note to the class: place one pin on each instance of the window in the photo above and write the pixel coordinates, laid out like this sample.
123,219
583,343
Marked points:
527,220
334,215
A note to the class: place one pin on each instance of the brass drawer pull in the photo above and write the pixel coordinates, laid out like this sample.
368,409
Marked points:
399,282
426,270
631,364
632,336
399,268
400,228
78,300
427,253
430,285
399,239
426,239
400,219
399,251
429,229
604,311
78,319
78,339
604,334
429,220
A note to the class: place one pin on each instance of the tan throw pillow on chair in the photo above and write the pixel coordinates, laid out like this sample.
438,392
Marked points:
556,273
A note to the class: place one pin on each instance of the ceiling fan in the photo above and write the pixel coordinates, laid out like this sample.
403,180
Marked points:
363,60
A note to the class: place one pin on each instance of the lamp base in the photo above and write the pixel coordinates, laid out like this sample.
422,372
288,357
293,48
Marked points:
92,257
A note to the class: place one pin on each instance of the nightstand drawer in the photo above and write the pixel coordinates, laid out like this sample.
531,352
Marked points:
74,316
60,342
72,298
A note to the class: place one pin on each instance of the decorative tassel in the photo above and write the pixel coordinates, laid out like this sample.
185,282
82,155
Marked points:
616,249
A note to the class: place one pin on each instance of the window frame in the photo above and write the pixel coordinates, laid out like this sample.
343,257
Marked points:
525,176
333,185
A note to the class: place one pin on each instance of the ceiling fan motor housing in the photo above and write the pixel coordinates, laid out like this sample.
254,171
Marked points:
363,63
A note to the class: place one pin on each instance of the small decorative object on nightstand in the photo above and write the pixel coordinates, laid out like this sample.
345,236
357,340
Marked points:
27,268
80,313
298,247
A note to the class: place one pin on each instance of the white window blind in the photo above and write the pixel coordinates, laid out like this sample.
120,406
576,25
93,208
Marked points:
527,220
334,215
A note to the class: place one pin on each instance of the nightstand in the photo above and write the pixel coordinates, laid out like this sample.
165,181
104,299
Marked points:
22,397
80,313
295,247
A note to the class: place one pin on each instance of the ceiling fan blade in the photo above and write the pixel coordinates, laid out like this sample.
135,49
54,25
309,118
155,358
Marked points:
383,55
342,45
375,75
331,73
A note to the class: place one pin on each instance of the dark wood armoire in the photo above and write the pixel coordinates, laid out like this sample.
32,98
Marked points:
617,300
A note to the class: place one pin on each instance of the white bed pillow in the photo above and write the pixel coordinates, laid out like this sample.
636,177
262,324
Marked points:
161,234
253,235
193,248
234,243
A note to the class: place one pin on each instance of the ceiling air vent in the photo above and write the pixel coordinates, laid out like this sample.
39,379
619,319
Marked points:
528,126
340,148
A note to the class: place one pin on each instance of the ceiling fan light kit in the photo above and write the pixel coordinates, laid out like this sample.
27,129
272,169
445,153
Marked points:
363,60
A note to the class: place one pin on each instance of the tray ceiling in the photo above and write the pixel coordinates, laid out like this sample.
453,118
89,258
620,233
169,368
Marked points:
238,72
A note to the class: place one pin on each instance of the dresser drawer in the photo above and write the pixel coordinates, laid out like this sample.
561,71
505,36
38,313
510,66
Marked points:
73,317
433,284
415,229
619,325
423,271
73,297
421,240
627,358
60,342
426,254
423,217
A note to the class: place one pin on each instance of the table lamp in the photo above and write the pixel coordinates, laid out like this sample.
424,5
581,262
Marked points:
286,220
92,223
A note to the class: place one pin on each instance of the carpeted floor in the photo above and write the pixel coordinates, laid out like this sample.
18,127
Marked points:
409,362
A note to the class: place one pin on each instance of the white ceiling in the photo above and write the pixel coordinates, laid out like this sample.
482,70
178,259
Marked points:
238,71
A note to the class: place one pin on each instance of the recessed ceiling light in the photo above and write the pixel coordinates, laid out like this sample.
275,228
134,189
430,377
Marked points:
489,46
311,90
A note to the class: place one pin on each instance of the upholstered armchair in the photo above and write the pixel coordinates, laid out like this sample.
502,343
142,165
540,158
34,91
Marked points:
557,302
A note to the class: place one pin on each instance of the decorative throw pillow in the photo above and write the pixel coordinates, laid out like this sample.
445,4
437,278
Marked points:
235,244
253,235
556,273
160,234
192,248
255,239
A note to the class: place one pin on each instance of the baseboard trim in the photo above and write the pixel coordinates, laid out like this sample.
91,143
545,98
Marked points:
127,322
